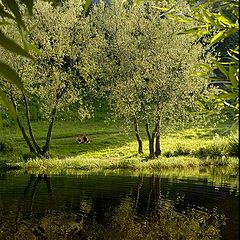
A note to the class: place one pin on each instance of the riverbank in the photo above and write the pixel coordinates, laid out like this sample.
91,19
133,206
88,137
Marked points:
112,147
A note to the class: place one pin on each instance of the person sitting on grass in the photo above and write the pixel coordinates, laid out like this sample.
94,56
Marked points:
80,140
85,139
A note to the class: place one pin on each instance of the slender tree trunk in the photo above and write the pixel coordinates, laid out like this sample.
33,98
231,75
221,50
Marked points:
21,127
151,148
157,143
140,146
157,146
59,94
150,141
25,136
39,151
49,134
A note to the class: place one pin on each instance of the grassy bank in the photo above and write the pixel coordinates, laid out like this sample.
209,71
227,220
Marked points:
112,147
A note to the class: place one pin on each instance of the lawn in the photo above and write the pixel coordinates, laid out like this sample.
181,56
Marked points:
113,147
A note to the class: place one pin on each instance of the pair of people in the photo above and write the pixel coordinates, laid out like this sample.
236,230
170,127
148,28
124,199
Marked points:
83,139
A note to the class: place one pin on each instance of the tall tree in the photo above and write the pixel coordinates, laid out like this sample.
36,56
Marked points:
149,68
54,77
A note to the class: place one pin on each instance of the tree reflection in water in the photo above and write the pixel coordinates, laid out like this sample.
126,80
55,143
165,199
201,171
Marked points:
158,220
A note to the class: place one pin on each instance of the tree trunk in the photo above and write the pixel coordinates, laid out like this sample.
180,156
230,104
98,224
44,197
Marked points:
39,151
157,146
24,134
140,146
150,141
151,149
157,143
49,134
59,94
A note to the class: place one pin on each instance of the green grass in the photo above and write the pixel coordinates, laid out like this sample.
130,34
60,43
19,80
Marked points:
112,147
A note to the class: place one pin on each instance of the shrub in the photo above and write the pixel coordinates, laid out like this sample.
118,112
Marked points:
180,151
233,145
214,150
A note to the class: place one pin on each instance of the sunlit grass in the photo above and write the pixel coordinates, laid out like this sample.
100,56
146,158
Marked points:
113,148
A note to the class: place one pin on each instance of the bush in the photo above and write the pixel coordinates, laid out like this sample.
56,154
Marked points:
218,148
233,145
180,151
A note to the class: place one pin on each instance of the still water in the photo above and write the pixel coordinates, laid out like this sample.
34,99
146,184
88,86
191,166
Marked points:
96,206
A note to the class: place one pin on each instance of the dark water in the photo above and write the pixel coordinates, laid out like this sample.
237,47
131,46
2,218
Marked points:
96,197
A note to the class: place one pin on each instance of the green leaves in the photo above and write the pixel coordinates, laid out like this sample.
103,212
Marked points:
223,35
14,8
10,75
29,5
4,13
87,5
221,68
210,19
5,101
10,45
233,73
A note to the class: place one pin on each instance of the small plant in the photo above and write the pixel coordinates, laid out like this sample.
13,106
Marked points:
214,150
233,145
180,151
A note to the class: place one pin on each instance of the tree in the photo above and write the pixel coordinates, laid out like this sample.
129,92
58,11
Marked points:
13,13
54,77
215,23
149,68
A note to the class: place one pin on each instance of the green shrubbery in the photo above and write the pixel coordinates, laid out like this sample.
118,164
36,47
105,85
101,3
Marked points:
220,147
233,145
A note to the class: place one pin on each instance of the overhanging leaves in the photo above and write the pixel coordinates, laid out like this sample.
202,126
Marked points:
13,6
222,35
29,5
87,5
3,13
10,75
10,45
4,100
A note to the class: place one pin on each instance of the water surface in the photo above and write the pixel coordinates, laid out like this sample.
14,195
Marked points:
97,199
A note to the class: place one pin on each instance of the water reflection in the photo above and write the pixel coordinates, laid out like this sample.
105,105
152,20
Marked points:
114,207
26,200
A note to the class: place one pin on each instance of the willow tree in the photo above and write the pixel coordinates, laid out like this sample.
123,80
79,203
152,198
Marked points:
54,76
149,67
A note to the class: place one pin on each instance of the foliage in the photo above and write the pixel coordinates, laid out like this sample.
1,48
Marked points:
54,79
13,13
215,23
147,67
233,145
